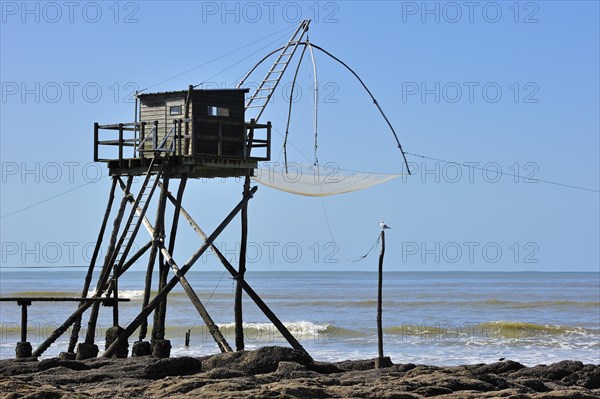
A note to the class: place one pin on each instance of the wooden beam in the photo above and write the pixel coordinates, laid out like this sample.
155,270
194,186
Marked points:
88,277
161,312
238,308
379,298
28,300
158,328
173,282
105,272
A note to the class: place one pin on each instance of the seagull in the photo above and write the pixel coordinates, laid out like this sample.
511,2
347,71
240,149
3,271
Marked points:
384,226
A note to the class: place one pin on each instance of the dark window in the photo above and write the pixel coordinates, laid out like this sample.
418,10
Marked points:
217,111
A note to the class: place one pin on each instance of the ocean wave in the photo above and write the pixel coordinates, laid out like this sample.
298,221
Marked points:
493,329
266,331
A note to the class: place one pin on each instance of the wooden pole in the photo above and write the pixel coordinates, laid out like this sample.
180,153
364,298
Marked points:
158,329
155,238
238,313
88,277
115,287
100,287
381,361
171,284
24,305
162,309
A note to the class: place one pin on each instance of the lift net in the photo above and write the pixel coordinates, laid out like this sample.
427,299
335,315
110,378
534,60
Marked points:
316,180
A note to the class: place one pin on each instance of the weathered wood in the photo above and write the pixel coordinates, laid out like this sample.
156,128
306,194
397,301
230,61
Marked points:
151,259
90,272
69,321
135,258
158,329
115,289
125,234
104,273
29,299
379,298
238,307
162,309
171,284
24,306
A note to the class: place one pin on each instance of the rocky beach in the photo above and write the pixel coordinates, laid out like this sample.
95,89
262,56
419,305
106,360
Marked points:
278,372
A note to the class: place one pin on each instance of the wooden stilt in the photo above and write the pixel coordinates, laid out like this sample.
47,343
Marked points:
171,284
238,312
158,330
115,287
161,312
88,277
91,332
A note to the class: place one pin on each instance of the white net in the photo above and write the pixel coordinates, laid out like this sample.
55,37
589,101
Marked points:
316,180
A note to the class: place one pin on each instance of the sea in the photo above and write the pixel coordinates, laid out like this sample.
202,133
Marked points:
440,318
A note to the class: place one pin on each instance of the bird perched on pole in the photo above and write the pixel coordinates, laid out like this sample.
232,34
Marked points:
383,225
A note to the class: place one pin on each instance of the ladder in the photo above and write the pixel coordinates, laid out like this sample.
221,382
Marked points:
133,223
263,93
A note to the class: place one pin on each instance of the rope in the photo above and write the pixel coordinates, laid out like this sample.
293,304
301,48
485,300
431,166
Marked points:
287,127
217,58
355,75
507,174
284,36
331,231
316,114
210,297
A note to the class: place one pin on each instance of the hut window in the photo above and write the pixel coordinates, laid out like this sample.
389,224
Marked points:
218,111
175,110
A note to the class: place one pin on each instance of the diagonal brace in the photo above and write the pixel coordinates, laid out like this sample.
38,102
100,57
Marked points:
173,282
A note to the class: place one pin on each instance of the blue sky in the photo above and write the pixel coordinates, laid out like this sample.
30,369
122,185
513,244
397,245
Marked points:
510,86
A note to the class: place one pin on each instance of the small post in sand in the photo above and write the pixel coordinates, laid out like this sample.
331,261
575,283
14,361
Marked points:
381,361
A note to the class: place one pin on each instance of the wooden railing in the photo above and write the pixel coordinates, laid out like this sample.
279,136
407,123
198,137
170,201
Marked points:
176,143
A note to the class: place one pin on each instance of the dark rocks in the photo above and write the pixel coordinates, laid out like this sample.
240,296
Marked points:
161,348
67,356
351,365
275,372
498,368
23,350
86,351
172,367
261,361
47,364
141,348
383,362
432,391
221,373
111,335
